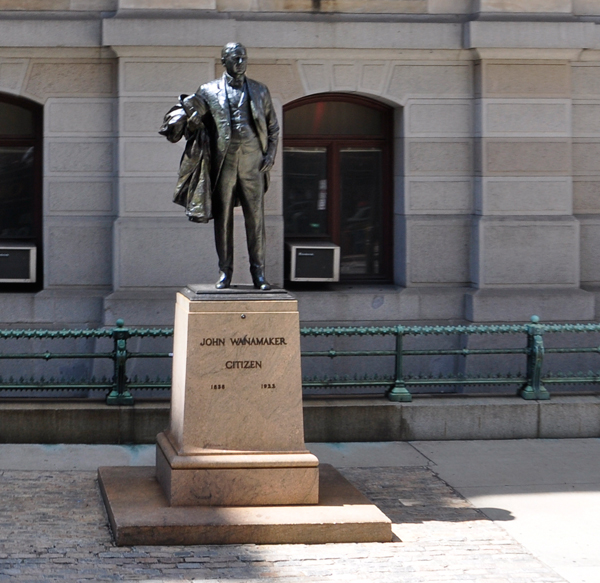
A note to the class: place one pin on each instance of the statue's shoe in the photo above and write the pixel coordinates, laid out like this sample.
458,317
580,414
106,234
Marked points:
261,283
223,281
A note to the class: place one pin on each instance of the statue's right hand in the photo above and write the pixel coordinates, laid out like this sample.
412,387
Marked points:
267,163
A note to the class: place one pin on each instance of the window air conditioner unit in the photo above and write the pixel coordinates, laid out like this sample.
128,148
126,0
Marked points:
313,261
17,263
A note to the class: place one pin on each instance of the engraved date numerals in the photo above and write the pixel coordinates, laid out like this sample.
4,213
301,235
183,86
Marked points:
268,386
217,387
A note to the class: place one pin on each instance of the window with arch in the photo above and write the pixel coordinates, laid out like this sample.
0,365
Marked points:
337,180
21,135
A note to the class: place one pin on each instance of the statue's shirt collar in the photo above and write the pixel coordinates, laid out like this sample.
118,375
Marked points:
233,82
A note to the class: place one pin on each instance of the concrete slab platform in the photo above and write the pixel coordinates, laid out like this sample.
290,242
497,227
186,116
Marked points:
390,454
525,462
73,457
139,514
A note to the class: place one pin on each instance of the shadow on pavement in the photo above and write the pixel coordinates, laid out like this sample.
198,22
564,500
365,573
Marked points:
415,495
497,514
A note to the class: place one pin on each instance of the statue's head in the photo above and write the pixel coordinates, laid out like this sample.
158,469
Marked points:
234,59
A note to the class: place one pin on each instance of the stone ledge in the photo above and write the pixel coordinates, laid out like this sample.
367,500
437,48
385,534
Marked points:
326,6
294,33
514,305
326,420
81,422
71,32
541,7
524,6
531,35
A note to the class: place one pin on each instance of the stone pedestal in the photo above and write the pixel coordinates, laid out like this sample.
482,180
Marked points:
236,436
233,466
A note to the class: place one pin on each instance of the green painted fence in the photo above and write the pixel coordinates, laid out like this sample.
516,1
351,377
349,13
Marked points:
527,341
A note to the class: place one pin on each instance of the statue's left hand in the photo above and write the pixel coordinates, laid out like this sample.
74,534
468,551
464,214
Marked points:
267,163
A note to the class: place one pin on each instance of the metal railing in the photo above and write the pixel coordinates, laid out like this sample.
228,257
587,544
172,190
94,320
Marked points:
119,386
399,384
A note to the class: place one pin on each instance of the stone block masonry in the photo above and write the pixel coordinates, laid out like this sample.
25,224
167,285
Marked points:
493,172
54,529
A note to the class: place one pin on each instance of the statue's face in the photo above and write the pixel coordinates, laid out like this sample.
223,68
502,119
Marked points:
236,62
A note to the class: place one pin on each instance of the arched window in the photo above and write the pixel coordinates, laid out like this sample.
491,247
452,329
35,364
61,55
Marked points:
20,194
337,165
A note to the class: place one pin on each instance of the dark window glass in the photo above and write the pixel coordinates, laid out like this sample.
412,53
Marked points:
305,188
333,117
15,120
21,136
361,225
16,193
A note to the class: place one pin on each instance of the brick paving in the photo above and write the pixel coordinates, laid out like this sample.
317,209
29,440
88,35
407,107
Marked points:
53,527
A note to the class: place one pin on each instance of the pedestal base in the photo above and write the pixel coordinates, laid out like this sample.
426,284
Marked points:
236,479
140,514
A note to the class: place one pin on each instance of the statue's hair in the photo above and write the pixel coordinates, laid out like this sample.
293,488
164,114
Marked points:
230,48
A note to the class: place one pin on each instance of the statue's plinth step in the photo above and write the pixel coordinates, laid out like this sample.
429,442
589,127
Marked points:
139,514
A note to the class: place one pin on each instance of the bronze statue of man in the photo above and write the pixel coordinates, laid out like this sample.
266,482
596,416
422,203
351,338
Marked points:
232,133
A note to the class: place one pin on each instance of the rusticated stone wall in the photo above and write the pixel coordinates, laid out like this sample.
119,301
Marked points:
496,142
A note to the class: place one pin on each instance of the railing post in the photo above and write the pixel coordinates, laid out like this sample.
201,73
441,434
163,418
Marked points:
533,389
120,395
399,392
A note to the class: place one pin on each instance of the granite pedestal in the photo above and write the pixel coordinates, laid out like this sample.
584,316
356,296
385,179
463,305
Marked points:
236,436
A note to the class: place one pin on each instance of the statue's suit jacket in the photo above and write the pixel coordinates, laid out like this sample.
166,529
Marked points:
204,119
211,103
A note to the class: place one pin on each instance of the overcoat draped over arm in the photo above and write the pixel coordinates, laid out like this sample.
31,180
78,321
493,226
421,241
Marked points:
193,190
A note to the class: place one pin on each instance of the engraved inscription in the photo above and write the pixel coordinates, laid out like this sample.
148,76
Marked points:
212,342
268,386
243,364
258,341
245,341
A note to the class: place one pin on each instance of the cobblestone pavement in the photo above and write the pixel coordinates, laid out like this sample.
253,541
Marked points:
53,527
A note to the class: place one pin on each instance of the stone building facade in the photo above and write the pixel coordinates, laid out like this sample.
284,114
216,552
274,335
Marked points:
495,181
